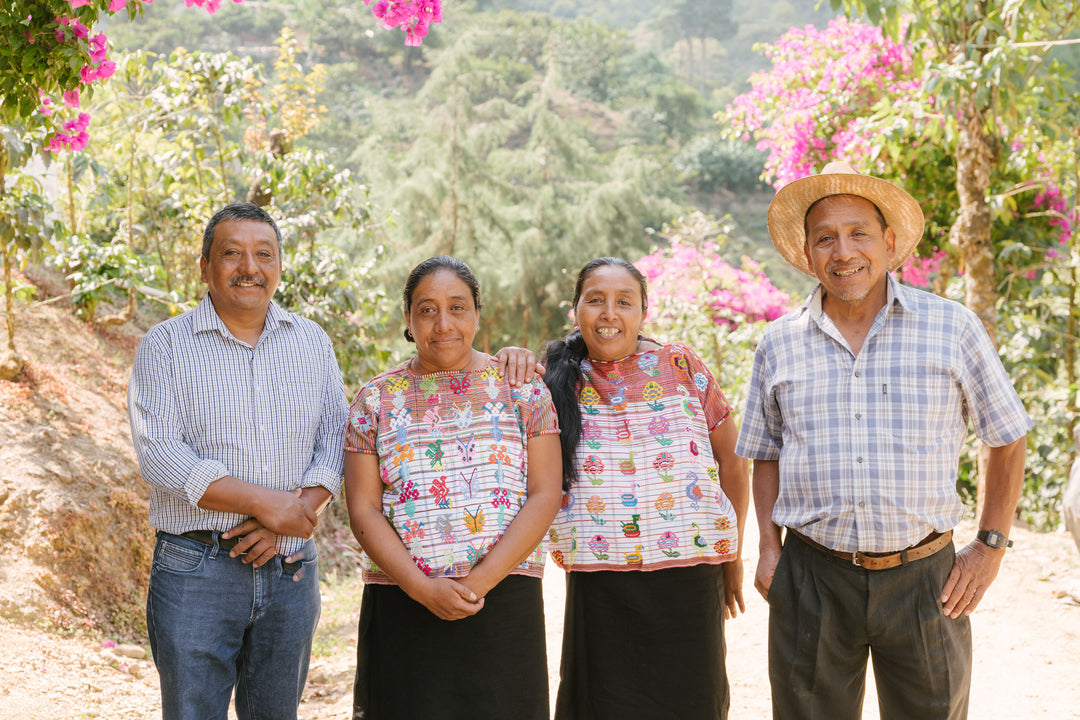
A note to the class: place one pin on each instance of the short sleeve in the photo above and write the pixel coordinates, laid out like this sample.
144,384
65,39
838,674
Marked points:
995,410
536,409
362,432
716,407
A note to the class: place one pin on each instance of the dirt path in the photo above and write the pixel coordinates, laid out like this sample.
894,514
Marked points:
1026,665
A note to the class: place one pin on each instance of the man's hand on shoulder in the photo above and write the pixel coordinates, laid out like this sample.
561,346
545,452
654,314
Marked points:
975,568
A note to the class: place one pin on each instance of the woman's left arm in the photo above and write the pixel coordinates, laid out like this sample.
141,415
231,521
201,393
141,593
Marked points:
527,529
734,481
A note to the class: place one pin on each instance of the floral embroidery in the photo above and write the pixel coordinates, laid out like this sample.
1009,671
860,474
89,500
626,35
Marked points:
648,487
455,478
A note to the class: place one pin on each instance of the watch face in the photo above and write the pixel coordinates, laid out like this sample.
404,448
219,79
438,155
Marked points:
993,538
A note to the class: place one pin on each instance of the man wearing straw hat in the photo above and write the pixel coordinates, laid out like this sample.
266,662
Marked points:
858,406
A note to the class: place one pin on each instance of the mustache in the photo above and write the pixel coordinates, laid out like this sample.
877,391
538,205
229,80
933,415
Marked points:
247,279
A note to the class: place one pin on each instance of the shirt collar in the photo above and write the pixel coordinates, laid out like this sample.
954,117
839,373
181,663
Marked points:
206,319
894,293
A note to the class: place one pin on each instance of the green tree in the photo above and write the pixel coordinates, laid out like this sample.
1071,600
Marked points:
984,64
502,164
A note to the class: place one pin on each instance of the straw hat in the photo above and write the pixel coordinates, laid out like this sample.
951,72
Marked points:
787,211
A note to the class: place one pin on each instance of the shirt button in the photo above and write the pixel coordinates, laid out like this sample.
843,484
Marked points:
856,373
858,416
858,459
862,504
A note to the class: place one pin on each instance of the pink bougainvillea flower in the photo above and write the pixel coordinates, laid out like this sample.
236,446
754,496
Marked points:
106,69
79,124
79,3
414,37
99,47
71,98
115,5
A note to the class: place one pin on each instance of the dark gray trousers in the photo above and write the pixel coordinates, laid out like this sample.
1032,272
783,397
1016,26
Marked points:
826,616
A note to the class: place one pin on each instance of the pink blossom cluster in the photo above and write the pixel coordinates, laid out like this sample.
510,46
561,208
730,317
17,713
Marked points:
73,137
1052,200
683,275
415,17
810,107
918,271
211,6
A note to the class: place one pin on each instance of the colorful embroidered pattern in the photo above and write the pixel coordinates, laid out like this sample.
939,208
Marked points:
451,448
649,492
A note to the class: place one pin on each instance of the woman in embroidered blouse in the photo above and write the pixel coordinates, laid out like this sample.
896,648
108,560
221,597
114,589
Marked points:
452,478
651,526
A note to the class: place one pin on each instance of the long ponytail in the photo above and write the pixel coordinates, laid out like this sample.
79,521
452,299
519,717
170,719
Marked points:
562,361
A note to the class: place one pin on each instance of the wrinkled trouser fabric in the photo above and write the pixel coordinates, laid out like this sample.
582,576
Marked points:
827,616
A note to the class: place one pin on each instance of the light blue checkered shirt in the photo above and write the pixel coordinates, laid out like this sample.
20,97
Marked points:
868,446
204,405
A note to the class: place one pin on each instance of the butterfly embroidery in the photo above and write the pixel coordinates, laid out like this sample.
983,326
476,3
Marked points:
465,448
474,521
463,415
468,481
460,385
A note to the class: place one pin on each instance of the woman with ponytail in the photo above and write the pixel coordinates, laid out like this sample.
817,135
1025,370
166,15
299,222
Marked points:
651,524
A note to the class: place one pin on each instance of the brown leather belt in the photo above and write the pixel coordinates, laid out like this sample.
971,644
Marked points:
883,561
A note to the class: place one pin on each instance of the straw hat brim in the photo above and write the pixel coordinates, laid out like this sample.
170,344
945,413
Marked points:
787,211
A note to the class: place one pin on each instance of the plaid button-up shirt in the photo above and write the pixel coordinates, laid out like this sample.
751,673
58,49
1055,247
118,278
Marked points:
868,445
204,405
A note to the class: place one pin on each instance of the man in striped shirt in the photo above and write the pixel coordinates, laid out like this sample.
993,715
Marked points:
858,406
238,417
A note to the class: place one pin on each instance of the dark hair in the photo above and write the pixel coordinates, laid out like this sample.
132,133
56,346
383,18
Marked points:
562,363
432,265
237,212
806,225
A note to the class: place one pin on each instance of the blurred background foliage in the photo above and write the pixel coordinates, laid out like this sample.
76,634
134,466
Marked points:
525,138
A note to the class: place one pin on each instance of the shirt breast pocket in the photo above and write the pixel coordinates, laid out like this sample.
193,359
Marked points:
921,410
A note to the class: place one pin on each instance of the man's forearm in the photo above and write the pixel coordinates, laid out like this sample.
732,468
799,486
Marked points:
1004,481
766,486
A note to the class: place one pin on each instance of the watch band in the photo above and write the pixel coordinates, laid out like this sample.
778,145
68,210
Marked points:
993,538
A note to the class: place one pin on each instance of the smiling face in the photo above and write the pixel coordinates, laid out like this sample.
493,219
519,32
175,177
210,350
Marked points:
610,312
443,320
849,251
242,270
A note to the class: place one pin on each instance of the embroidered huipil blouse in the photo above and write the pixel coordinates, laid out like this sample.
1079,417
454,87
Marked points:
648,494
452,454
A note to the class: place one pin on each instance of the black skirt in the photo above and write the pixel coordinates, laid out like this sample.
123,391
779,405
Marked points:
644,646
492,665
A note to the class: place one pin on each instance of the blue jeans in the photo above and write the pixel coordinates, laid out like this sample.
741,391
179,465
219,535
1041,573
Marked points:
216,623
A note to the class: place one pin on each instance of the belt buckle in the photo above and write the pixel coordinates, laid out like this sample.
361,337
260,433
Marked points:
855,559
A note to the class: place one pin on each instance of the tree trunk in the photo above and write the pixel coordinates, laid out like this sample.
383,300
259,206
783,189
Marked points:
971,235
